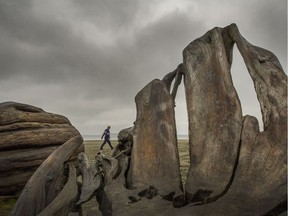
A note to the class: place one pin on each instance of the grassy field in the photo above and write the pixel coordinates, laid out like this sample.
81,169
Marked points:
6,205
93,146
91,149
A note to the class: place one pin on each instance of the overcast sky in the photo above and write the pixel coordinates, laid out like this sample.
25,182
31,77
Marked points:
87,59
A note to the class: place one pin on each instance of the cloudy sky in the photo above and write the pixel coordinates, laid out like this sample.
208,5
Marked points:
87,59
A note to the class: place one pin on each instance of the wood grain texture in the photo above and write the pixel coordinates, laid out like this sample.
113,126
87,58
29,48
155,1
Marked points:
65,201
47,181
236,169
214,115
154,158
91,179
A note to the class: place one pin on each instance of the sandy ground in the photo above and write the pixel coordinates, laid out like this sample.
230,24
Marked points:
91,148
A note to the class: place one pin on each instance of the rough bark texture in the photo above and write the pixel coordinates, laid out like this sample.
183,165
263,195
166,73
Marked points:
28,135
154,159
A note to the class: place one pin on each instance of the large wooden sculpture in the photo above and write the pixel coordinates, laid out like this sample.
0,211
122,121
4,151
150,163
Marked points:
234,168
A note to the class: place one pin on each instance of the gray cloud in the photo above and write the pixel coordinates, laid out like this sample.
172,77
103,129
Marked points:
88,59
271,25
111,15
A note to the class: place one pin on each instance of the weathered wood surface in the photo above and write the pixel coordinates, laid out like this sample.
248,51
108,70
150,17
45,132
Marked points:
214,115
110,167
175,76
125,142
261,176
113,197
46,182
154,157
91,179
66,199
28,135
235,168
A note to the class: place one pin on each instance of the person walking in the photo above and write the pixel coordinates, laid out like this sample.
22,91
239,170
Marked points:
106,136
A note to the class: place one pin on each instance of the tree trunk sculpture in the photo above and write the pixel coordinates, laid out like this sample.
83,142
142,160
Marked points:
154,158
214,115
235,169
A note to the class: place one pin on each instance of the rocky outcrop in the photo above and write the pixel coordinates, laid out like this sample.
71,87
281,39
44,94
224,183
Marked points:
28,135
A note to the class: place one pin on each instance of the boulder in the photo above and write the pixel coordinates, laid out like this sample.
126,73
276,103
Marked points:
28,135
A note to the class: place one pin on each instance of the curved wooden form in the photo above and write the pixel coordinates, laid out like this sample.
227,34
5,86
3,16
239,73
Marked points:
46,183
235,169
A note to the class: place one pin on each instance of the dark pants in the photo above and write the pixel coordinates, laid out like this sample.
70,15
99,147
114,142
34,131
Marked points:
106,141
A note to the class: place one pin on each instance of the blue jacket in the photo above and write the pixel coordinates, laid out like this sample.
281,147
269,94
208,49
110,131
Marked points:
106,134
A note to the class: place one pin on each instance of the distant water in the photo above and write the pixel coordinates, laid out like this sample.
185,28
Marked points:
114,137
